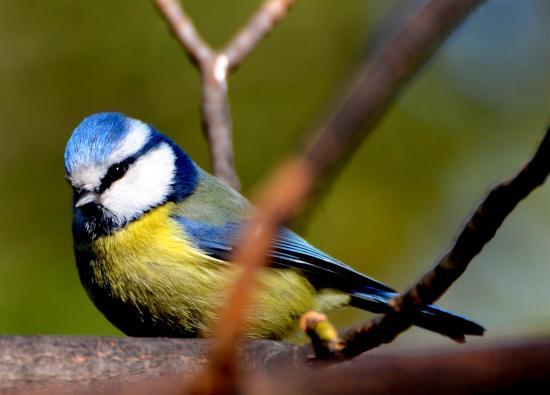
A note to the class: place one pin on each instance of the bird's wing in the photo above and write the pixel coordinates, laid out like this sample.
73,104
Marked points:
289,251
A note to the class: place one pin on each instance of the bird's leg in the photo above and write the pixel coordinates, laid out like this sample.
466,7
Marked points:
324,336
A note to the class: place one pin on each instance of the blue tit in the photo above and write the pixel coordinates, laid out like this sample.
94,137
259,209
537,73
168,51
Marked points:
154,233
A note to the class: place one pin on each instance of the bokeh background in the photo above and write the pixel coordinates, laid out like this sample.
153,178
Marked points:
471,118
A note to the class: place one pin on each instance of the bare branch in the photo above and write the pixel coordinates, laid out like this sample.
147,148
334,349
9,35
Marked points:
382,78
481,227
477,232
183,28
259,26
214,66
216,118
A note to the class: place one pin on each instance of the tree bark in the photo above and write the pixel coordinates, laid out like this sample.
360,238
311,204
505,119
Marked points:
101,365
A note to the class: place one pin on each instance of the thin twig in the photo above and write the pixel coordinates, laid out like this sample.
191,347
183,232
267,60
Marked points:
368,96
481,228
260,25
382,78
214,66
183,28
476,233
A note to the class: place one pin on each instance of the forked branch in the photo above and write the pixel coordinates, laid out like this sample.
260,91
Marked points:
260,25
214,66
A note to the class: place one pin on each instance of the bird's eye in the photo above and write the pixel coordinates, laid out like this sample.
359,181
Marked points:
114,173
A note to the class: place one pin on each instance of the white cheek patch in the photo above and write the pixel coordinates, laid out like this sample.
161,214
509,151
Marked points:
146,184
138,134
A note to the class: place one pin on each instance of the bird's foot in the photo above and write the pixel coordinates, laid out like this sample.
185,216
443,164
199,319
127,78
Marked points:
324,336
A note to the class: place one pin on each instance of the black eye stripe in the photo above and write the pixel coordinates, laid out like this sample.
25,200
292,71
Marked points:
115,172
118,170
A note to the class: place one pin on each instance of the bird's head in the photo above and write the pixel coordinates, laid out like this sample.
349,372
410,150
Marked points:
120,168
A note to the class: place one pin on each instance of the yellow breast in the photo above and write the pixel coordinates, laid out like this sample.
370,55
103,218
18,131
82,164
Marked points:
152,263
153,239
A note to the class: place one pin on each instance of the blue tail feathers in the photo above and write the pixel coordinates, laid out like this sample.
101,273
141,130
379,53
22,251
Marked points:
428,317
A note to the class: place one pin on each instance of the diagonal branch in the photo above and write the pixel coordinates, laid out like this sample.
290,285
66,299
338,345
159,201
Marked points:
477,232
214,66
481,227
260,25
183,28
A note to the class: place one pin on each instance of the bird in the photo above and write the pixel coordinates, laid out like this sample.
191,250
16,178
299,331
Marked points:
154,233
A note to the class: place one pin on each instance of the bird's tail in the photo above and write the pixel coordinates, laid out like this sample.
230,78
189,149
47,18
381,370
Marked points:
428,317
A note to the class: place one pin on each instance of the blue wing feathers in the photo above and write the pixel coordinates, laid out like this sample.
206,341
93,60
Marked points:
290,251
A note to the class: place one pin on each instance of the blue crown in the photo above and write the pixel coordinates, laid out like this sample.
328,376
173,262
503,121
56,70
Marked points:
95,138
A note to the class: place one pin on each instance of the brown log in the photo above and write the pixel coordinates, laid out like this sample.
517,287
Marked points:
101,365
32,363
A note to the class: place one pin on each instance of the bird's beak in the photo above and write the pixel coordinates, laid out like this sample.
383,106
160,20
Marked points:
86,198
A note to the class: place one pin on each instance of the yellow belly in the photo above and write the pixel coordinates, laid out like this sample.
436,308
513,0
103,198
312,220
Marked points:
152,264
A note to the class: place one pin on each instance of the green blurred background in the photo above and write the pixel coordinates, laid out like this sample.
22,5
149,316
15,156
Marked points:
471,118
